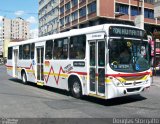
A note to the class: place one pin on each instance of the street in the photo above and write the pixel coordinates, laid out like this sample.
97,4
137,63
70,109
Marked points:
30,101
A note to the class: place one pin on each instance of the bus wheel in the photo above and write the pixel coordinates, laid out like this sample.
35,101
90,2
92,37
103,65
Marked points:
76,88
24,78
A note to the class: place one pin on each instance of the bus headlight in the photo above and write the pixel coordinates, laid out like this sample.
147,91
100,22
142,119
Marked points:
116,82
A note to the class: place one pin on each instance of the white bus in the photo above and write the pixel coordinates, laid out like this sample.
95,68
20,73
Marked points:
104,61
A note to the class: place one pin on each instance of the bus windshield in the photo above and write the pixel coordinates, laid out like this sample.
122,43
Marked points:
129,55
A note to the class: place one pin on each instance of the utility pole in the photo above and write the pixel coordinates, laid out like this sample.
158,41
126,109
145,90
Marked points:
139,19
142,12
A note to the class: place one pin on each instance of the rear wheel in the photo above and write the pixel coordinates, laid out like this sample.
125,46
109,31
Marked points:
76,88
24,78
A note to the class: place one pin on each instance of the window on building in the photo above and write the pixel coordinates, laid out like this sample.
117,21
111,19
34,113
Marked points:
80,1
10,51
26,51
92,7
135,11
60,49
67,19
74,3
77,47
62,10
32,50
61,21
122,8
148,13
149,1
74,15
20,52
68,6
49,49
82,12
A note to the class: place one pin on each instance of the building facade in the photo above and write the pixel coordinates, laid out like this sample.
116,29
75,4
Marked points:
1,42
48,17
14,30
83,13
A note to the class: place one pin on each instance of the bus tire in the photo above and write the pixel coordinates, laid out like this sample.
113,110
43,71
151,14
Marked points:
24,78
76,88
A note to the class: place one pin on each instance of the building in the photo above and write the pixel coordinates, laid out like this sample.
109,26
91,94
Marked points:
156,36
1,42
14,30
83,13
48,17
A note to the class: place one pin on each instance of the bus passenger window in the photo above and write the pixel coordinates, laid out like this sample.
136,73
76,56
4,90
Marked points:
77,47
60,49
49,49
26,51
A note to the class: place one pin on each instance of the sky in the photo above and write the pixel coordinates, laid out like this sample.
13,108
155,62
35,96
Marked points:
26,9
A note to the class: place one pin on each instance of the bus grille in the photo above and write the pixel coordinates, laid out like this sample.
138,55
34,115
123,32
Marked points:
133,89
133,83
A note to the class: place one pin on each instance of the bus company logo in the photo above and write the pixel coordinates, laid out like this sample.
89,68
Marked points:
68,68
47,63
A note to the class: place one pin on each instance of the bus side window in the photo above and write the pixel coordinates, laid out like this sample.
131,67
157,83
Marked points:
60,49
49,49
20,52
26,51
77,47
10,50
32,50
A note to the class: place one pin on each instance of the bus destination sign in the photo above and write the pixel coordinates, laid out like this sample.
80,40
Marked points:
119,31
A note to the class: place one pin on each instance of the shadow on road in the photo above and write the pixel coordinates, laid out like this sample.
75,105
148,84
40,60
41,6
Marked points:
115,101
109,102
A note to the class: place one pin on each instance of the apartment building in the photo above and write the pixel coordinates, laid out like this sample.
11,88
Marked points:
83,13
48,17
1,42
14,30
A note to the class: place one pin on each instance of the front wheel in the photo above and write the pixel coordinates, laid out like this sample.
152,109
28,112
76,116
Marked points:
76,88
24,78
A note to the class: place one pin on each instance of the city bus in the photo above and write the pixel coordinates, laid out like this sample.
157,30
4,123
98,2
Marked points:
104,61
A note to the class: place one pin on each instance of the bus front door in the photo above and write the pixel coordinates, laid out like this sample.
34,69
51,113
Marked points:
40,61
97,67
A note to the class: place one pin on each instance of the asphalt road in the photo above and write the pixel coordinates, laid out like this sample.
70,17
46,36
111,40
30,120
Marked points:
30,101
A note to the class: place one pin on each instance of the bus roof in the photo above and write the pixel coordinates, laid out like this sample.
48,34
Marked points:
72,32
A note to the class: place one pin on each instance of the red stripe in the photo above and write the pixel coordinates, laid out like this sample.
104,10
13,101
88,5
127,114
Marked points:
127,75
80,73
8,66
